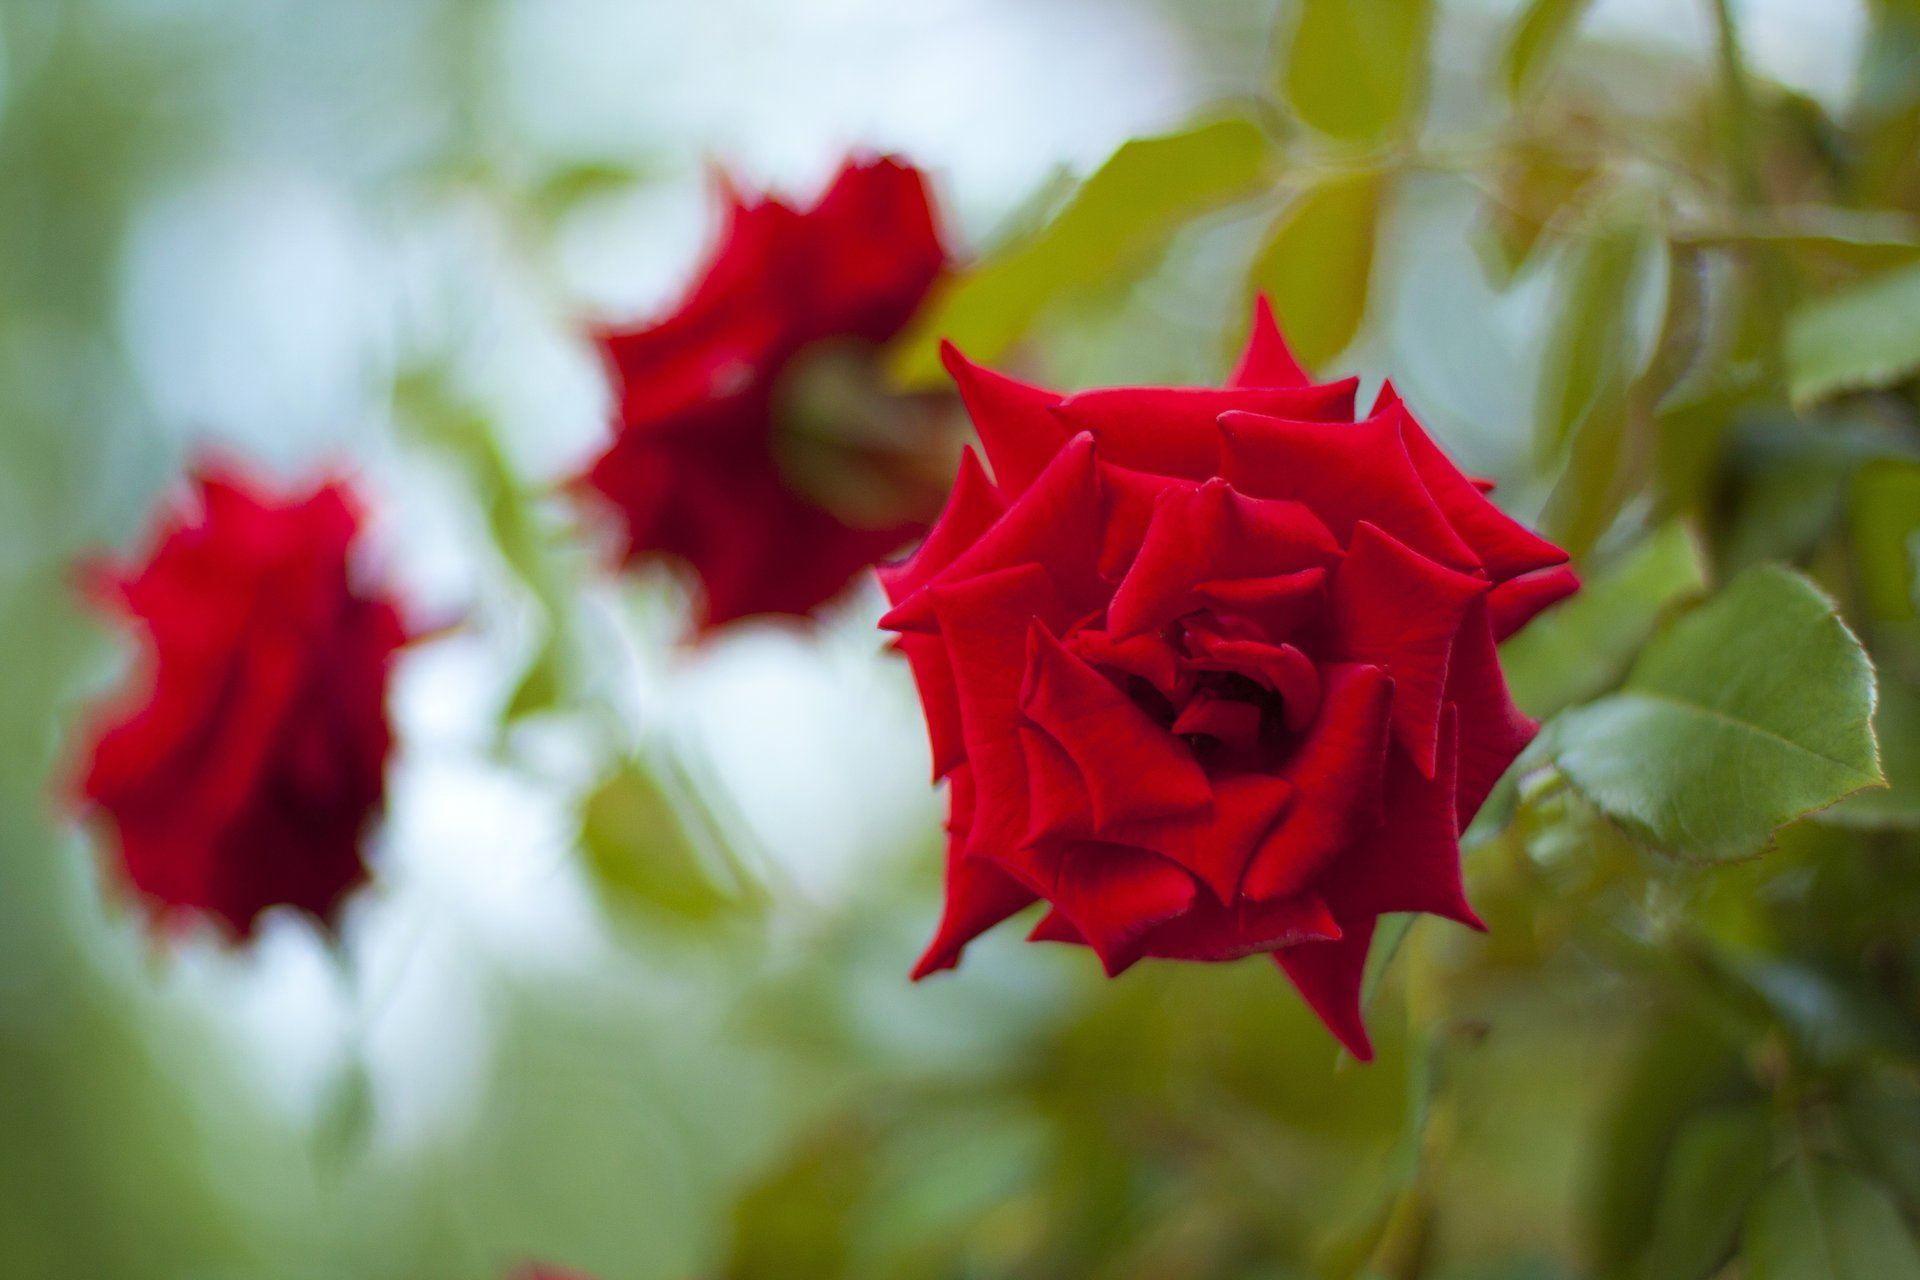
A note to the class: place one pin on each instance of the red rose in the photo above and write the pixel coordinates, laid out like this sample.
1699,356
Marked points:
1213,672
242,768
719,403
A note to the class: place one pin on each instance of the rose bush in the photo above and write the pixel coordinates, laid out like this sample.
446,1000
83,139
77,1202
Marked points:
1213,672
715,402
243,764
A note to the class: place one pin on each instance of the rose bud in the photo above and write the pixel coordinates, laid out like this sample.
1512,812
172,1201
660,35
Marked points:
1212,672
243,764
754,440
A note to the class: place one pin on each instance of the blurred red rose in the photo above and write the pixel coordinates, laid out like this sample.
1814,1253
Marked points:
242,767
1212,672
753,442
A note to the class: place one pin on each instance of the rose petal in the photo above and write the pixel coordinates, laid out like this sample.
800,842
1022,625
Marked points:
1132,768
1266,362
1412,861
1171,431
971,509
1346,474
1212,932
1011,418
1492,730
984,623
1514,602
1395,609
1335,772
1055,523
1328,976
1208,533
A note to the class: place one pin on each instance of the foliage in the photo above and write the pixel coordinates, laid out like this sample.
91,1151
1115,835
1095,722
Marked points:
1679,329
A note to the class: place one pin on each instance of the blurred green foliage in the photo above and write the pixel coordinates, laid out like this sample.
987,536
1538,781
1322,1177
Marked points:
1672,1057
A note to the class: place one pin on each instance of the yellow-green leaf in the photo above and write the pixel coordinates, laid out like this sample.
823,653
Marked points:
641,851
1317,263
1355,69
1538,38
1145,191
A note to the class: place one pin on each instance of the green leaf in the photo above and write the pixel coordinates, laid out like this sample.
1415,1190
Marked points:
1127,210
1580,649
1538,38
1884,516
1317,262
1355,68
1898,804
1718,1161
1746,714
641,849
1866,335
1817,1220
1680,1069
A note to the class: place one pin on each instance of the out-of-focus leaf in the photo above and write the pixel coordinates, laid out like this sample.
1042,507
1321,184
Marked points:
1784,482
1593,354
1897,723
1143,193
1681,1069
640,848
1623,309
1752,711
1543,30
1317,263
1356,68
1866,335
1533,185
1579,649
569,187
1883,1126
1818,1220
1884,518
1718,1161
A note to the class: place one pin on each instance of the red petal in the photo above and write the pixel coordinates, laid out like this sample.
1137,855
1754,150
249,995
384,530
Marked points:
1171,431
984,622
971,509
1215,845
1011,418
979,895
1514,602
1492,730
1328,975
1346,474
1505,547
939,703
1266,362
1395,609
1412,862
1207,533
1133,769
1335,772
1112,896
1055,523
1213,932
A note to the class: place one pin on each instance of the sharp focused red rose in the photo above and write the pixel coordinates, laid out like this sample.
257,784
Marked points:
752,442
242,767
1212,672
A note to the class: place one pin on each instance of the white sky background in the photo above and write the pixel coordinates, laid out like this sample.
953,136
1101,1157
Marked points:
275,252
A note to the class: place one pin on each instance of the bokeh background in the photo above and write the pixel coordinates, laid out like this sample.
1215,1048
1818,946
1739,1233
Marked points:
628,993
